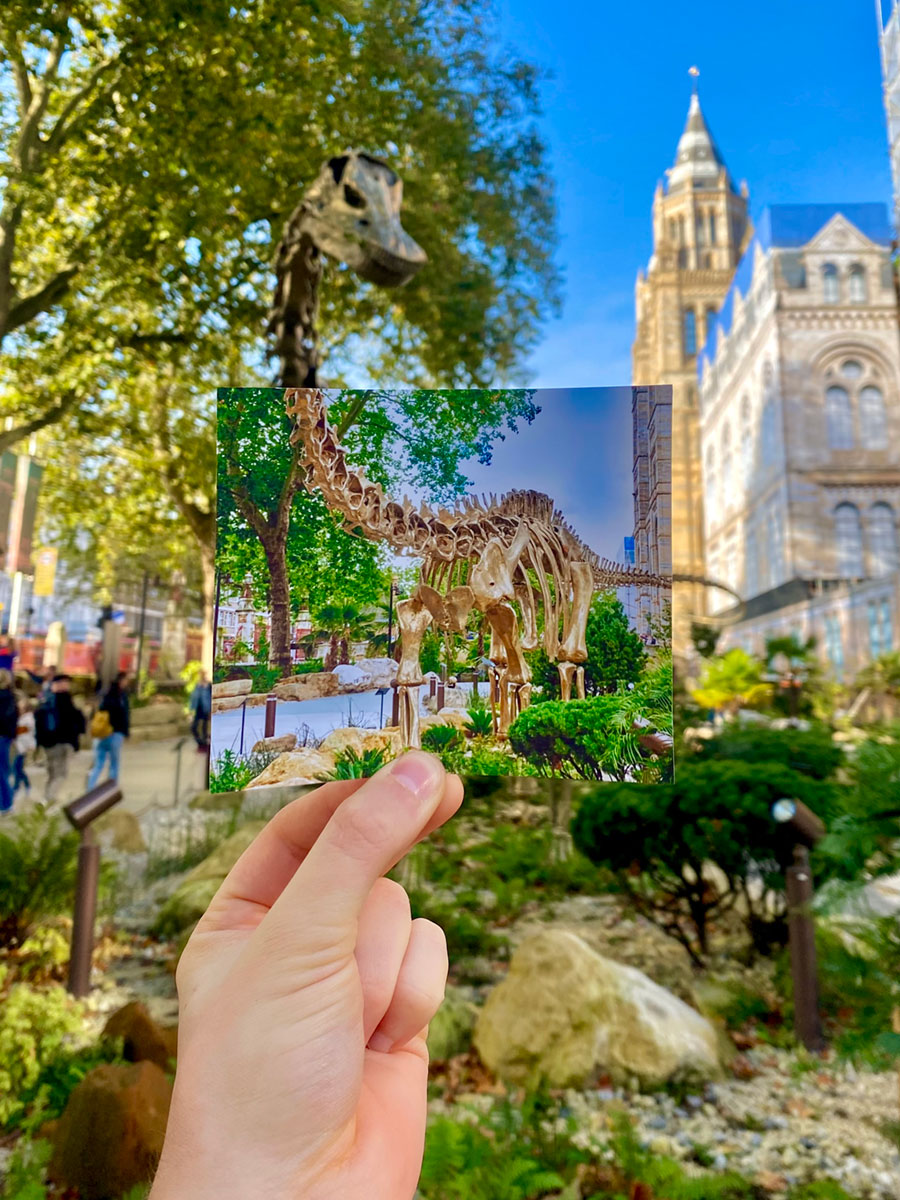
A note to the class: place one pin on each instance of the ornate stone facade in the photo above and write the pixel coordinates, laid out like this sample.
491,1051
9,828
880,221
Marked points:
651,413
700,229
800,434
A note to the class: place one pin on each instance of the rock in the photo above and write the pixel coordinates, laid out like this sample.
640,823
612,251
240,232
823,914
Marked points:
227,703
382,739
121,830
110,1136
447,716
277,745
567,1015
191,898
294,765
352,679
308,687
232,687
381,671
164,713
143,1039
450,1029
217,801
340,740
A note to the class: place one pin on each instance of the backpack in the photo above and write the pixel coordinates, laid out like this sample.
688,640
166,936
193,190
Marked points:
45,722
101,726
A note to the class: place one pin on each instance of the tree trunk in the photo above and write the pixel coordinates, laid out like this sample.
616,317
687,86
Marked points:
208,567
279,602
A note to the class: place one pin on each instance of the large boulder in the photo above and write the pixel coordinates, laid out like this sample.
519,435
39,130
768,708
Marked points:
340,740
294,766
382,739
308,687
232,687
109,1138
226,703
447,716
275,745
121,830
381,671
142,1039
352,678
568,1016
191,898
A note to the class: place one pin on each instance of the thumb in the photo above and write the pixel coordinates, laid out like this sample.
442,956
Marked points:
366,836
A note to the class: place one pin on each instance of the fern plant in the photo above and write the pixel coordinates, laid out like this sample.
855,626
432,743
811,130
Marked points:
349,764
481,722
438,738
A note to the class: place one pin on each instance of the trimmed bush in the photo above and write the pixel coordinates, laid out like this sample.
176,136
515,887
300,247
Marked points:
812,752
588,739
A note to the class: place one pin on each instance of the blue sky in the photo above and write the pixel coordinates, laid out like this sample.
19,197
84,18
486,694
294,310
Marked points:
791,92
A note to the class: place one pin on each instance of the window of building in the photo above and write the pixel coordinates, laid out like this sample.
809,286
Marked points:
774,547
751,565
848,536
681,230
746,444
690,332
883,557
887,274
727,480
834,643
709,485
701,230
851,369
879,637
711,314
682,257
712,228
839,418
793,269
887,625
831,288
858,284
769,434
872,419
673,229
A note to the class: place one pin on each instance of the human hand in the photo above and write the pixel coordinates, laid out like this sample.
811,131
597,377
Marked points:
305,992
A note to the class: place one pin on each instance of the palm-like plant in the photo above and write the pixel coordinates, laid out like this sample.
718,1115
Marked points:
732,681
342,623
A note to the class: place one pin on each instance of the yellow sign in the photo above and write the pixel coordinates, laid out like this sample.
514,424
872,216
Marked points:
44,572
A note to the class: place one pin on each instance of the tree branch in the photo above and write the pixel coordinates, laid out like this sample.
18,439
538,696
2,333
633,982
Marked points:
50,416
64,126
29,307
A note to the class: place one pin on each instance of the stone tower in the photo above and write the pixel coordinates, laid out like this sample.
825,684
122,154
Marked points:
700,230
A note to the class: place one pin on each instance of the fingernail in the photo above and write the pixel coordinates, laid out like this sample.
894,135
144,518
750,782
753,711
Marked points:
380,1041
418,773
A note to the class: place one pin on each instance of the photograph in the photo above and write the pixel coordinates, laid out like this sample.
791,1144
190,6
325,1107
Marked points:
488,609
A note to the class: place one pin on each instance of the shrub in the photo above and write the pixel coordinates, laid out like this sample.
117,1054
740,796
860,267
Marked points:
264,677
656,839
481,722
42,955
438,738
615,652
349,764
38,863
588,739
232,773
33,1028
812,752
310,667
26,1170
46,1098
864,834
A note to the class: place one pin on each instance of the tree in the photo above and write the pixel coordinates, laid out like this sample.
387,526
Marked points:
342,624
732,681
615,652
415,438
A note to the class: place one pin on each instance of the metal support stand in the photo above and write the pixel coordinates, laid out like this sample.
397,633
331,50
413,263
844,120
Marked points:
271,705
799,888
80,813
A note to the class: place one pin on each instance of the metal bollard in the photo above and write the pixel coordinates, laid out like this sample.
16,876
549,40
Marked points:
80,813
271,705
802,935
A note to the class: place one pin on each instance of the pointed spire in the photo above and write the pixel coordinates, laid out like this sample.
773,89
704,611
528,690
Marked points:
697,158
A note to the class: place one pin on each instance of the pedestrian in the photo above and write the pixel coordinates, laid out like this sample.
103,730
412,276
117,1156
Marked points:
8,652
9,720
23,746
112,731
58,726
200,705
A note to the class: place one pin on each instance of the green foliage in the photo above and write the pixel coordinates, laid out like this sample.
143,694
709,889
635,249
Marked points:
34,1025
430,653
656,840
350,764
481,758
587,739
38,863
438,738
481,721
310,667
194,844
812,752
42,955
864,833
616,654
231,772
264,677
46,1098
732,681
26,1170
190,675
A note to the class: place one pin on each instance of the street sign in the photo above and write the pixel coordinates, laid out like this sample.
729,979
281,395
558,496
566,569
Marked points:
44,572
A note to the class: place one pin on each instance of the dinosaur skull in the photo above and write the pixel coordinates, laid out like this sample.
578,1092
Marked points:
353,215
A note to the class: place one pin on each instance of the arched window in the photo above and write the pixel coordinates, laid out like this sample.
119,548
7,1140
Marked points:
728,489
712,228
690,332
839,418
746,445
883,558
672,229
831,288
848,536
872,419
858,284
682,256
701,230
710,490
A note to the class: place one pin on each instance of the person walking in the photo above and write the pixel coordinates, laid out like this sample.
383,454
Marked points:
118,721
9,720
200,705
23,745
58,728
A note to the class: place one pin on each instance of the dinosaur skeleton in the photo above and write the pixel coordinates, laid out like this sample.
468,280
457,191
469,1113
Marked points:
486,555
